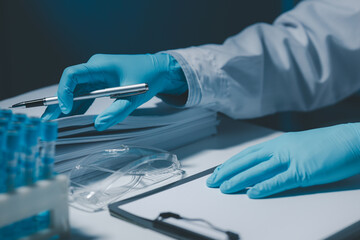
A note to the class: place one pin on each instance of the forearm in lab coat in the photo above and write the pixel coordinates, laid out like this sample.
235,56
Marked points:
308,58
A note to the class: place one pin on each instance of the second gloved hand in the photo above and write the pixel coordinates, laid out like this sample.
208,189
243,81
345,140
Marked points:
160,71
292,160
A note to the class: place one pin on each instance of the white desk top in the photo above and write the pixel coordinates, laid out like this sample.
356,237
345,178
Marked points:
233,137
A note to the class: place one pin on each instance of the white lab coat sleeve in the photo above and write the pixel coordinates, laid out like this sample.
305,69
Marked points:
308,58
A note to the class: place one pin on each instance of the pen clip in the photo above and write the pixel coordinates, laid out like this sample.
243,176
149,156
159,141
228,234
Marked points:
123,95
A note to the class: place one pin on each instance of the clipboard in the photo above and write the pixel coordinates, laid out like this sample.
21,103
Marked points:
160,223
298,216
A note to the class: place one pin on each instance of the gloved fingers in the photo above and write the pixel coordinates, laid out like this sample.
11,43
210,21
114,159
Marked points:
279,183
51,112
243,153
80,78
80,107
54,111
251,176
227,170
118,111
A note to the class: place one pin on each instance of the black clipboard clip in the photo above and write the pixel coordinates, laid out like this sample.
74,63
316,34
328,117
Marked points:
182,233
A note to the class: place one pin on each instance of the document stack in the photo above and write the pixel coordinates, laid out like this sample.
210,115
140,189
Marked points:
154,124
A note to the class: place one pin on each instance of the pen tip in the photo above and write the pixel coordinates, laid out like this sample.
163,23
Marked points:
17,105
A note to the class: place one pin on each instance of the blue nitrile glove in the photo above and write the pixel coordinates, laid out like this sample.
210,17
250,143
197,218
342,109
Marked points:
292,160
160,71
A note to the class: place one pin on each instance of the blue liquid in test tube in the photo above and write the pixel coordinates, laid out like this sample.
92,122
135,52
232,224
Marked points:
29,226
20,128
48,140
11,156
3,162
6,113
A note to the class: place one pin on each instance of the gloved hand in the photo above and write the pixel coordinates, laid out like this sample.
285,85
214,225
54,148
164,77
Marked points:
160,71
292,160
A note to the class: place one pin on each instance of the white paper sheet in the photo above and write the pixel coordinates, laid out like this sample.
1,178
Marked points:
311,213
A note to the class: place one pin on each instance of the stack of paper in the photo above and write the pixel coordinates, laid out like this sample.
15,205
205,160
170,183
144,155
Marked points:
154,124
162,127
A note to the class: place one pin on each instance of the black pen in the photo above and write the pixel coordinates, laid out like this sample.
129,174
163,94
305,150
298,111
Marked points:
116,92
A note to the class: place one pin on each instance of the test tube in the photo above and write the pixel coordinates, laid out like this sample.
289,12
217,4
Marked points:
19,117
34,121
6,113
2,160
28,225
4,122
49,136
37,123
31,146
48,139
11,155
20,127
3,175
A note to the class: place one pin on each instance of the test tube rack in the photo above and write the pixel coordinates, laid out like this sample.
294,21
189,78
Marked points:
45,195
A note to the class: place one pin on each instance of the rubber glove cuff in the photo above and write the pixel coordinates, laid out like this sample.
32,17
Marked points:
175,85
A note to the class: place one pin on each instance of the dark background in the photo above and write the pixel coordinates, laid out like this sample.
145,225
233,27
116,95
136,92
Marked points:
39,38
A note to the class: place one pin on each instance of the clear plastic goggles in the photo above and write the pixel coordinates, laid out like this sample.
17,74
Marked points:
104,177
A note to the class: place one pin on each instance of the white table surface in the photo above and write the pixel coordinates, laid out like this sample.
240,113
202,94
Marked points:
233,137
